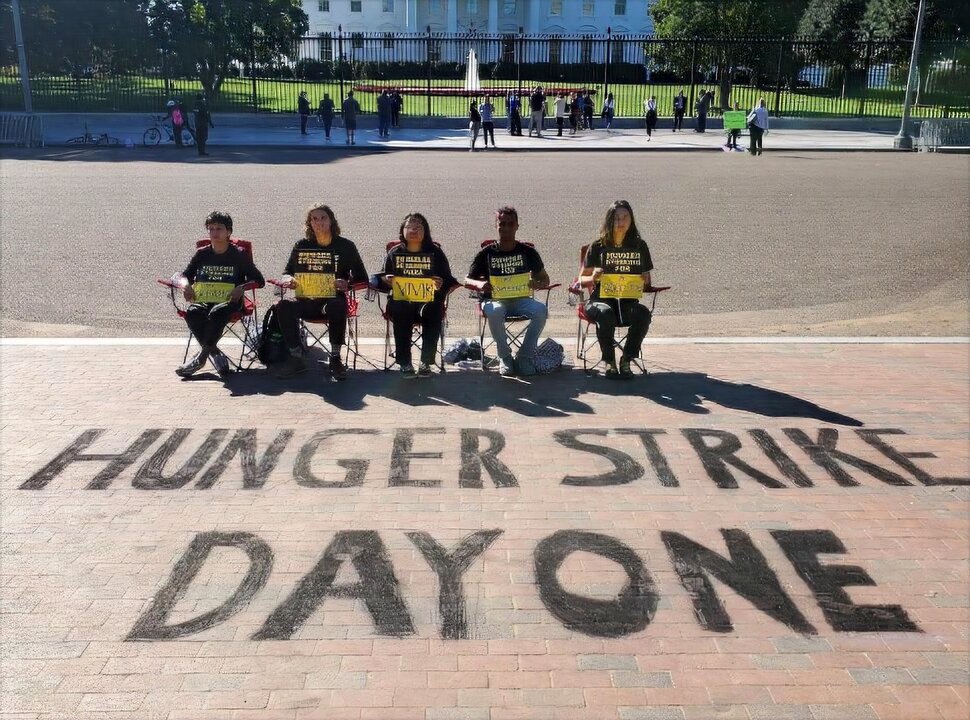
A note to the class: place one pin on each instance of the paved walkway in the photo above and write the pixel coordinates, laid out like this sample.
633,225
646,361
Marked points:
752,531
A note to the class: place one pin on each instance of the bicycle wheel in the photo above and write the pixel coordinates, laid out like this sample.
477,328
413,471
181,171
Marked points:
152,136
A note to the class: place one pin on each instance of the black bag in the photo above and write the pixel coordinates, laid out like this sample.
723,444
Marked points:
271,348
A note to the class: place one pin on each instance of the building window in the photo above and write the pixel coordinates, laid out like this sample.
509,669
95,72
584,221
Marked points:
434,51
555,7
508,48
617,52
326,47
357,41
508,7
388,6
355,5
555,51
471,7
619,7
323,5
586,51
388,41
588,8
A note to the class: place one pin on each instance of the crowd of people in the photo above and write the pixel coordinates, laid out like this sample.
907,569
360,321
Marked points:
323,267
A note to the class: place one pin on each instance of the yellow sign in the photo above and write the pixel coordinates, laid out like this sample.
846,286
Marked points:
420,290
509,287
312,286
621,287
212,292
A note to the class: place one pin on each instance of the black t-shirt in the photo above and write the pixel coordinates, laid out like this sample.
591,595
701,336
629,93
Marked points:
537,101
339,258
631,258
426,263
492,261
233,267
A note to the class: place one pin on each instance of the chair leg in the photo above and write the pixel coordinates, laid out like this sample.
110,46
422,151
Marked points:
387,344
188,345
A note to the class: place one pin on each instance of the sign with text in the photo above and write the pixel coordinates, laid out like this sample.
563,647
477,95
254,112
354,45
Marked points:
314,286
510,287
419,290
735,120
212,292
621,287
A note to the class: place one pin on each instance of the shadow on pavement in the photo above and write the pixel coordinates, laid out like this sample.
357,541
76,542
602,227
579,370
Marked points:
557,395
309,155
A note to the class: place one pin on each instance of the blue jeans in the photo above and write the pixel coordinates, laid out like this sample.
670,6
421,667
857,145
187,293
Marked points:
497,310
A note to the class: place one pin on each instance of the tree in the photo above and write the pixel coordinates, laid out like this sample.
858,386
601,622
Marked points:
212,36
833,27
729,22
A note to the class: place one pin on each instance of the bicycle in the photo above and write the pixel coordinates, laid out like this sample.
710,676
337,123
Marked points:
90,139
153,135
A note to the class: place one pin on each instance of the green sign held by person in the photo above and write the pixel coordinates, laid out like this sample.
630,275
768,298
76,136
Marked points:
735,120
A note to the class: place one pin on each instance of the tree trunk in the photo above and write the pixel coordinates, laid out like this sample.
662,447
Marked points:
725,90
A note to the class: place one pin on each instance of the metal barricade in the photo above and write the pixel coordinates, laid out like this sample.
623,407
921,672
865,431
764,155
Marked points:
937,134
21,129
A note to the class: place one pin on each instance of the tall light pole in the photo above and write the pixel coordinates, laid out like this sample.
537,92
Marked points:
21,56
903,141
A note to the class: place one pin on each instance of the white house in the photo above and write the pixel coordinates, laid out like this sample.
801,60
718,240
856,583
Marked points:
532,17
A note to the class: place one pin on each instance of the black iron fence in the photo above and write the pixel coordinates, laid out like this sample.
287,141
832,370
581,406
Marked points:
438,75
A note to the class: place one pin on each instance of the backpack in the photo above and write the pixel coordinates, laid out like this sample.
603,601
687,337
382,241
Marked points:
271,347
177,118
549,356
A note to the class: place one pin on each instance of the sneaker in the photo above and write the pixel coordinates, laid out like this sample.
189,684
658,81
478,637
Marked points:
221,363
525,366
193,365
407,372
625,371
611,372
293,365
506,367
337,369
424,370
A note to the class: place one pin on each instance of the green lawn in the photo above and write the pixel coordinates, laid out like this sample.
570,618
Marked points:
145,94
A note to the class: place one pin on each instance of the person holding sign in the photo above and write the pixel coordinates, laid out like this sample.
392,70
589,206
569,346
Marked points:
618,266
419,276
320,270
214,282
734,122
506,272
757,126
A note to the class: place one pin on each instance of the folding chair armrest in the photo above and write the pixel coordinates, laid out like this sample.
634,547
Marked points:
169,283
281,288
251,285
655,288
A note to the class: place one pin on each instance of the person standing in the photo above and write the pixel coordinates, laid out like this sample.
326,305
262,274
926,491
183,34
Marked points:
680,107
488,125
575,114
510,259
515,115
350,108
650,106
537,108
474,125
733,134
588,108
384,114
303,107
175,113
325,112
609,108
560,113
397,104
203,121
618,251
321,268
757,125
702,106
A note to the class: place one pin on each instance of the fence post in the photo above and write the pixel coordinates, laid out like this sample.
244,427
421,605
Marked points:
428,54
606,63
518,62
693,64
340,62
254,96
781,46
865,78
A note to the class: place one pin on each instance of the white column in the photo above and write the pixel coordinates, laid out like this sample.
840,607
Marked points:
452,16
411,23
533,26
493,16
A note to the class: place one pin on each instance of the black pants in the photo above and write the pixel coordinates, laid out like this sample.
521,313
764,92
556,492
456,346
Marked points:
701,122
177,132
404,315
206,322
756,134
396,118
327,124
588,118
201,138
678,119
651,120
303,119
515,123
610,314
488,131
733,138
290,311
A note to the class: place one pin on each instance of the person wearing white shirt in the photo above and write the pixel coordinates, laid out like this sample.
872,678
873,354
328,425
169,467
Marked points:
560,112
757,125
650,110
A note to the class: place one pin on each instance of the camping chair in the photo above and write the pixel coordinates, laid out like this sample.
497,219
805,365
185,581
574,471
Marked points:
243,324
381,292
587,343
310,339
515,325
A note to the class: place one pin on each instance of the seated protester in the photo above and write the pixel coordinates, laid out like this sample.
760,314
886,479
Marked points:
506,272
214,282
619,265
321,268
419,277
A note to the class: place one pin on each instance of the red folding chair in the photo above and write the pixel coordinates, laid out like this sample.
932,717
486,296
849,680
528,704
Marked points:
579,294
515,325
310,339
382,294
243,324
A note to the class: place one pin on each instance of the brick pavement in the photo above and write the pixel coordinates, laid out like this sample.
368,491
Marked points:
599,565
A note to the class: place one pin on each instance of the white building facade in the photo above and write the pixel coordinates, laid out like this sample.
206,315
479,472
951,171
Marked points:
492,17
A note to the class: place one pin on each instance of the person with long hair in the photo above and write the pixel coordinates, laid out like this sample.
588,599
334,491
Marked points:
419,276
321,268
618,266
